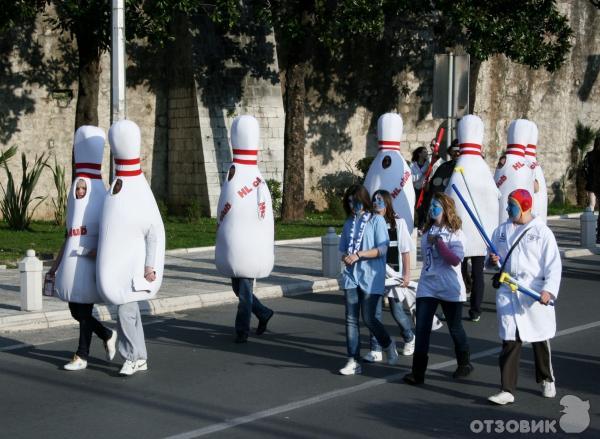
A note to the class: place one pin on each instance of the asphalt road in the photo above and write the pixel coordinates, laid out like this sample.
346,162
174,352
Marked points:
285,383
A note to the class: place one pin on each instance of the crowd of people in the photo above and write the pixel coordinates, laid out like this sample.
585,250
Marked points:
114,248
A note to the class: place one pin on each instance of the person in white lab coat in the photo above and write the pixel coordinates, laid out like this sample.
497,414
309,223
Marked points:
535,263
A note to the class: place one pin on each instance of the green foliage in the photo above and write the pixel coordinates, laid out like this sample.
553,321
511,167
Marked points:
529,32
276,195
363,166
193,211
162,208
584,136
333,187
60,202
6,155
15,204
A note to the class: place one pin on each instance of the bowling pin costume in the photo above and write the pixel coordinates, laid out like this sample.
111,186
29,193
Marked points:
245,234
540,198
480,183
132,234
389,170
514,174
76,274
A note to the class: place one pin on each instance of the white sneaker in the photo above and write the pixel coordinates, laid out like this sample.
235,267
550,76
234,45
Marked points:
392,353
130,367
352,367
373,357
409,347
110,346
502,398
548,389
76,364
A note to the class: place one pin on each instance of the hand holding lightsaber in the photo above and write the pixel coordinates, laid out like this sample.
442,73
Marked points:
514,286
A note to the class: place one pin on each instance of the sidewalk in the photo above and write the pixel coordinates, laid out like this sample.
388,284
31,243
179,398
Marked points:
191,281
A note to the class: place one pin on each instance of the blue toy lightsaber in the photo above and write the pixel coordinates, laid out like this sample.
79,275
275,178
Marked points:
504,277
514,286
475,221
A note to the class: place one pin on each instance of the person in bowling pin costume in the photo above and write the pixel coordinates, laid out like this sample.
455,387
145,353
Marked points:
535,263
473,178
245,227
513,173
540,190
131,250
75,266
389,171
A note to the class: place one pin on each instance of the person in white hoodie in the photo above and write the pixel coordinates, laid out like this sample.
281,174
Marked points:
534,263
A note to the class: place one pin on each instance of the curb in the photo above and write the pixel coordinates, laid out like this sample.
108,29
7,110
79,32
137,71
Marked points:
185,251
52,319
579,252
567,216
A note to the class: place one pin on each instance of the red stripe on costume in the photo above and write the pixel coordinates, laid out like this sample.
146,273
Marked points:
467,152
245,151
244,162
128,173
127,161
88,166
389,143
469,145
88,175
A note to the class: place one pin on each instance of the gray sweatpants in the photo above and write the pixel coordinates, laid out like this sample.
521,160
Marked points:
132,344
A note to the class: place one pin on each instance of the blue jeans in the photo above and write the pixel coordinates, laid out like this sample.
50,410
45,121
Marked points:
358,301
248,304
426,307
401,318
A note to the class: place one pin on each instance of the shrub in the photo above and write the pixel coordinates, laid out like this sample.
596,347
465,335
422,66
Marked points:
333,187
4,156
60,202
276,195
363,166
192,211
15,204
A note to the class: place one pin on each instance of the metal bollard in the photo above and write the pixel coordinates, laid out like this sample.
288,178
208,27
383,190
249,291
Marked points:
587,223
331,258
30,268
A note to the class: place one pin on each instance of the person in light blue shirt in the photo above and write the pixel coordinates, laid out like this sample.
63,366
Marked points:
363,245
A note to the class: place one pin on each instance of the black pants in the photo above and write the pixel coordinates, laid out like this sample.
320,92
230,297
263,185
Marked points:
82,312
509,362
426,307
475,281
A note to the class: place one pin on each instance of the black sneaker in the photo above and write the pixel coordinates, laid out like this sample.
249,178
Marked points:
241,338
474,317
262,324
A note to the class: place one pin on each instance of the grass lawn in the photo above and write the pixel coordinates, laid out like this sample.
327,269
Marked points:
46,238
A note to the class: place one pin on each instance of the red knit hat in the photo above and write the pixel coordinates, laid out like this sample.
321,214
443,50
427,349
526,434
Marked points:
523,198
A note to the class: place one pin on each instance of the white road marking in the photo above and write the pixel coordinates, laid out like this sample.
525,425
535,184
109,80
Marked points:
342,392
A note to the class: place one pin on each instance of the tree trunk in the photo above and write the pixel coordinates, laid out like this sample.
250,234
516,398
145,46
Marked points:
473,77
294,141
86,112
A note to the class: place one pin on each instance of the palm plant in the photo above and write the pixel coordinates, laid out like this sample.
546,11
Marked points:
16,201
5,155
60,202
584,136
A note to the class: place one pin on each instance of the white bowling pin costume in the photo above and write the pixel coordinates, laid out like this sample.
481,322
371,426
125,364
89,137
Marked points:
76,274
481,183
514,174
389,170
132,234
540,198
245,234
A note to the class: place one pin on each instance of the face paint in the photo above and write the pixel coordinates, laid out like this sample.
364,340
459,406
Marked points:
435,210
513,210
357,206
379,203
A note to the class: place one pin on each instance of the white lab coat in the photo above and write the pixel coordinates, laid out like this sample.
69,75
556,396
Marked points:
535,263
